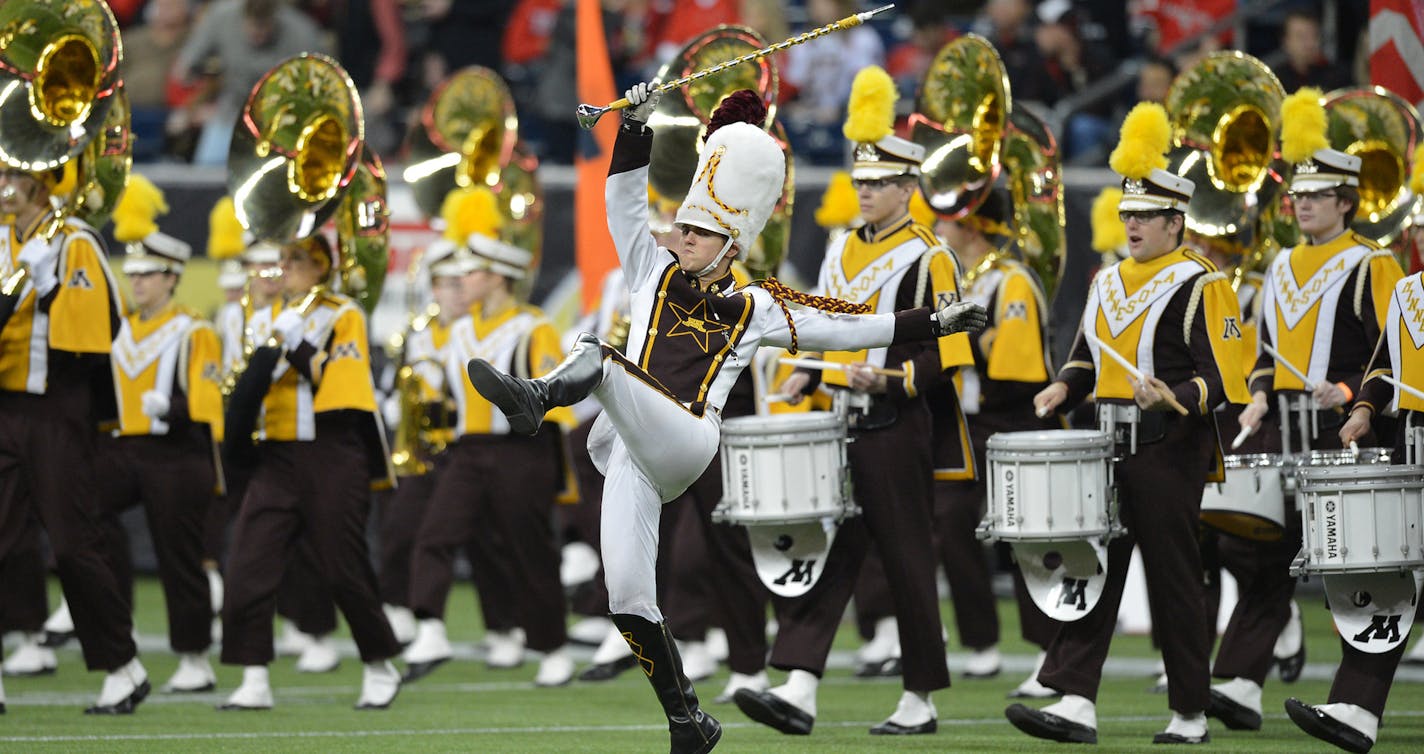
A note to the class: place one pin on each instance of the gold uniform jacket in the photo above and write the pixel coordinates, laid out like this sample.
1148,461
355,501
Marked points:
46,337
1400,353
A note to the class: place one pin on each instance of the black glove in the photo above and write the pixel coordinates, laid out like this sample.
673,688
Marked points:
961,316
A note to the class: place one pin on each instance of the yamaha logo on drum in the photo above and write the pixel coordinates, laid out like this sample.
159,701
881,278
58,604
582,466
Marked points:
1332,531
744,477
1010,498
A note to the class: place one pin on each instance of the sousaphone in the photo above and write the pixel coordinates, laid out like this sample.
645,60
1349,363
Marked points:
296,147
960,119
59,72
1382,129
1035,178
465,136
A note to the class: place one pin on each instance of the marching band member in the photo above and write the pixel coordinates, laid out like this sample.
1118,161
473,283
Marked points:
1169,312
166,369
1351,718
1011,364
318,446
496,489
692,335
55,335
891,264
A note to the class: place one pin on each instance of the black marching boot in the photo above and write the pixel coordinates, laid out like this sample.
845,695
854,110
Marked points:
693,731
524,402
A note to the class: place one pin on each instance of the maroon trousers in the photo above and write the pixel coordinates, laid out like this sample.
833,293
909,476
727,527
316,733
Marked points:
959,507
496,493
47,472
1159,492
22,574
319,491
401,513
891,470
173,478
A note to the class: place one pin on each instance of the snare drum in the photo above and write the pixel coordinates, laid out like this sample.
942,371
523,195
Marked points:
1251,503
1049,486
1362,519
784,468
1345,457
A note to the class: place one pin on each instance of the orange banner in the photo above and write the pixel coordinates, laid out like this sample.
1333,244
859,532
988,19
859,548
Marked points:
593,247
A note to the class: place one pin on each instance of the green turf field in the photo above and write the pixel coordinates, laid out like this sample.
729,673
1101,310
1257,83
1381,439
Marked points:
465,707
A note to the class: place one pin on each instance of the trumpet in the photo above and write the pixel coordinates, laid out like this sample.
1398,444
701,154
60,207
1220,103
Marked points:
588,115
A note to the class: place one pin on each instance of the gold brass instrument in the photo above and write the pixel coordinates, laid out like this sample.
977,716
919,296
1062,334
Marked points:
465,136
1226,113
102,169
296,147
1382,129
960,119
682,117
588,115
363,231
59,71
415,438
521,201
1035,176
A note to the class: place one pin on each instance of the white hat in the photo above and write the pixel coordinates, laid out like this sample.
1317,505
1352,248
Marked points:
262,252
1159,190
889,157
445,258
1326,169
231,277
157,252
739,178
499,257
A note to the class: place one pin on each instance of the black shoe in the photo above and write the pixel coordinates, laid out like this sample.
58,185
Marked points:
1290,667
890,668
774,712
415,671
1173,738
888,728
524,402
125,707
1231,713
56,639
1040,724
1327,728
607,671
697,738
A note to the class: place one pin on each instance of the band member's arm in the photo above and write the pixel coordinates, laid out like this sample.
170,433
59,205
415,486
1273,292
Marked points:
936,361
823,331
1078,373
1381,275
84,308
626,197
1263,376
1215,346
203,378
1374,392
342,373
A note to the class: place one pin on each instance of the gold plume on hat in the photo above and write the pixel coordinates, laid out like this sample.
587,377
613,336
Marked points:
224,230
1302,125
1108,231
870,115
472,209
136,214
839,205
921,211
1142,148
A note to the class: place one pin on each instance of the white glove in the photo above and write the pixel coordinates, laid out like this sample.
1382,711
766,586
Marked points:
155,404
961,316
391,410
644,101
290,327
42,258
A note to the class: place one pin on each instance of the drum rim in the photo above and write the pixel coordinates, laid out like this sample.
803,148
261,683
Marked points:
1050,439
782,423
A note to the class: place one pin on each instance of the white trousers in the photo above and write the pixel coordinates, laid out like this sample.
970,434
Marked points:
650,449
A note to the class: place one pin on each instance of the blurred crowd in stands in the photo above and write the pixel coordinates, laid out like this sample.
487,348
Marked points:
1080,63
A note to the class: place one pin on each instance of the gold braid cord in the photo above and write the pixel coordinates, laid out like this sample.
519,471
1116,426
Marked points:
781,294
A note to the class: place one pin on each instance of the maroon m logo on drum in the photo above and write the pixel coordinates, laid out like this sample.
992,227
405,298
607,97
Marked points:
800,573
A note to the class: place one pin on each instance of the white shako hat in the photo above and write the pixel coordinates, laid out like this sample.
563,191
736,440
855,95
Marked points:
1159,190
499,257
259,252
445,258
1326,169
739,179
886,158
156,252
230,275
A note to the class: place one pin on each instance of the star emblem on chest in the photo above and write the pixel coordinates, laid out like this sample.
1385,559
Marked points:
695,322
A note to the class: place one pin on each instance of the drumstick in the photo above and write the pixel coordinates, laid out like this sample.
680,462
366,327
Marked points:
1133,370
1354,449
818,364
1241,437
1310,386
1414,391
776,398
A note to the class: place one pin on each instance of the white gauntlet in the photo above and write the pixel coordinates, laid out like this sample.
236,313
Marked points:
155,404
290,327
961,316
644,99
42,258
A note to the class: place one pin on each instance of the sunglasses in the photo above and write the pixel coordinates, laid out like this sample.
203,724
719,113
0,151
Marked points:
1312,196
1143,217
